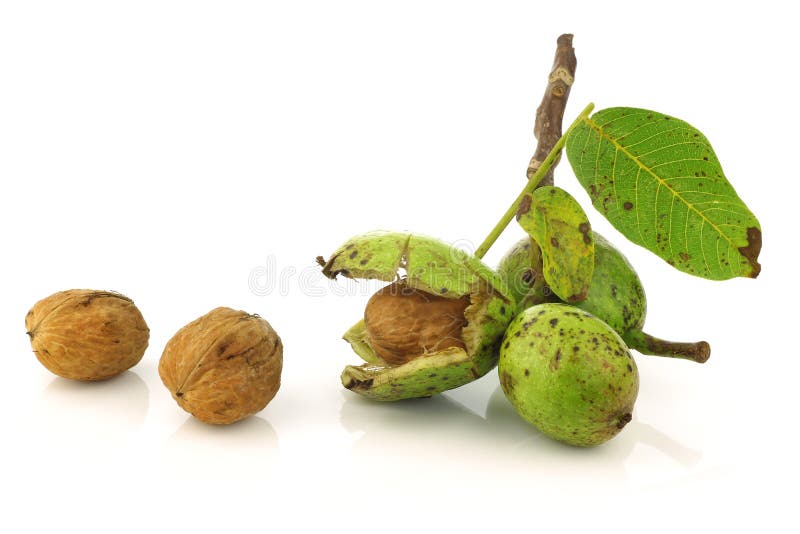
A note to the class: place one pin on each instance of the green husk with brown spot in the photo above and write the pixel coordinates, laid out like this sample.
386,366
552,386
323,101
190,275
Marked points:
521,269
569,374
434,267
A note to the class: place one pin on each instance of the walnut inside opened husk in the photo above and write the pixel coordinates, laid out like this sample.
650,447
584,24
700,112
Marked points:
404,323
435,327
87,335
223,366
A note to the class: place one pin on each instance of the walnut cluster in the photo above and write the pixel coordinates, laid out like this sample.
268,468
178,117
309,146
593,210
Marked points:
221,368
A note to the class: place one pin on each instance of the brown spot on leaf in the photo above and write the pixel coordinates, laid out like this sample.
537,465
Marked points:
353,254
554,242
578,297
752,250
684,256
584,228
628,206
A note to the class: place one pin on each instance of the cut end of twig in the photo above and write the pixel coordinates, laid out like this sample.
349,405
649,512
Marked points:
565,39
703,352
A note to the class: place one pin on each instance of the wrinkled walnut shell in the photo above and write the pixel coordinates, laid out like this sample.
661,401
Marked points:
87,335
224,366
405,323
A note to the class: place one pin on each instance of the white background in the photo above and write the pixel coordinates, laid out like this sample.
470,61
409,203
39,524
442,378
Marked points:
176,151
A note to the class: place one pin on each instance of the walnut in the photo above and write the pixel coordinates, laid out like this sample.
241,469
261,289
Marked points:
87,335
224,366
404,323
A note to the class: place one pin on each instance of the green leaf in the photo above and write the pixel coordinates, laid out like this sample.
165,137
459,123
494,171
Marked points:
555,220
657,180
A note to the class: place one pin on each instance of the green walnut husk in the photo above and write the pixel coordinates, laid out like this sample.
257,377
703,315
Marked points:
434,267
616,296
521,269
568,373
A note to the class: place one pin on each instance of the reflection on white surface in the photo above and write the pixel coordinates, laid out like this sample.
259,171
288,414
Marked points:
247,449
102,412
120,403
500,414
75,425
443,433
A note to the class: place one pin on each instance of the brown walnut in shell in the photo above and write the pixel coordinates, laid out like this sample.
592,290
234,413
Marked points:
87,335
404,323
224,366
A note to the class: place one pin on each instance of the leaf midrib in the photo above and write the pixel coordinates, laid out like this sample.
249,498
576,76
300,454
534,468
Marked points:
593,125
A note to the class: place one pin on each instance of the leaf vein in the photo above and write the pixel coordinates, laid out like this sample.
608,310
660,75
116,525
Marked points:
660,181
661,132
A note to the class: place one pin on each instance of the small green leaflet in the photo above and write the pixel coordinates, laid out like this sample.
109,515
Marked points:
658,181
555,220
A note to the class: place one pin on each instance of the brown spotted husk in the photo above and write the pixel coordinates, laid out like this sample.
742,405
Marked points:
223,366
85,334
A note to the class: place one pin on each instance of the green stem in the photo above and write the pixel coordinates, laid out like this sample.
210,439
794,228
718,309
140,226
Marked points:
530,186
647,344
